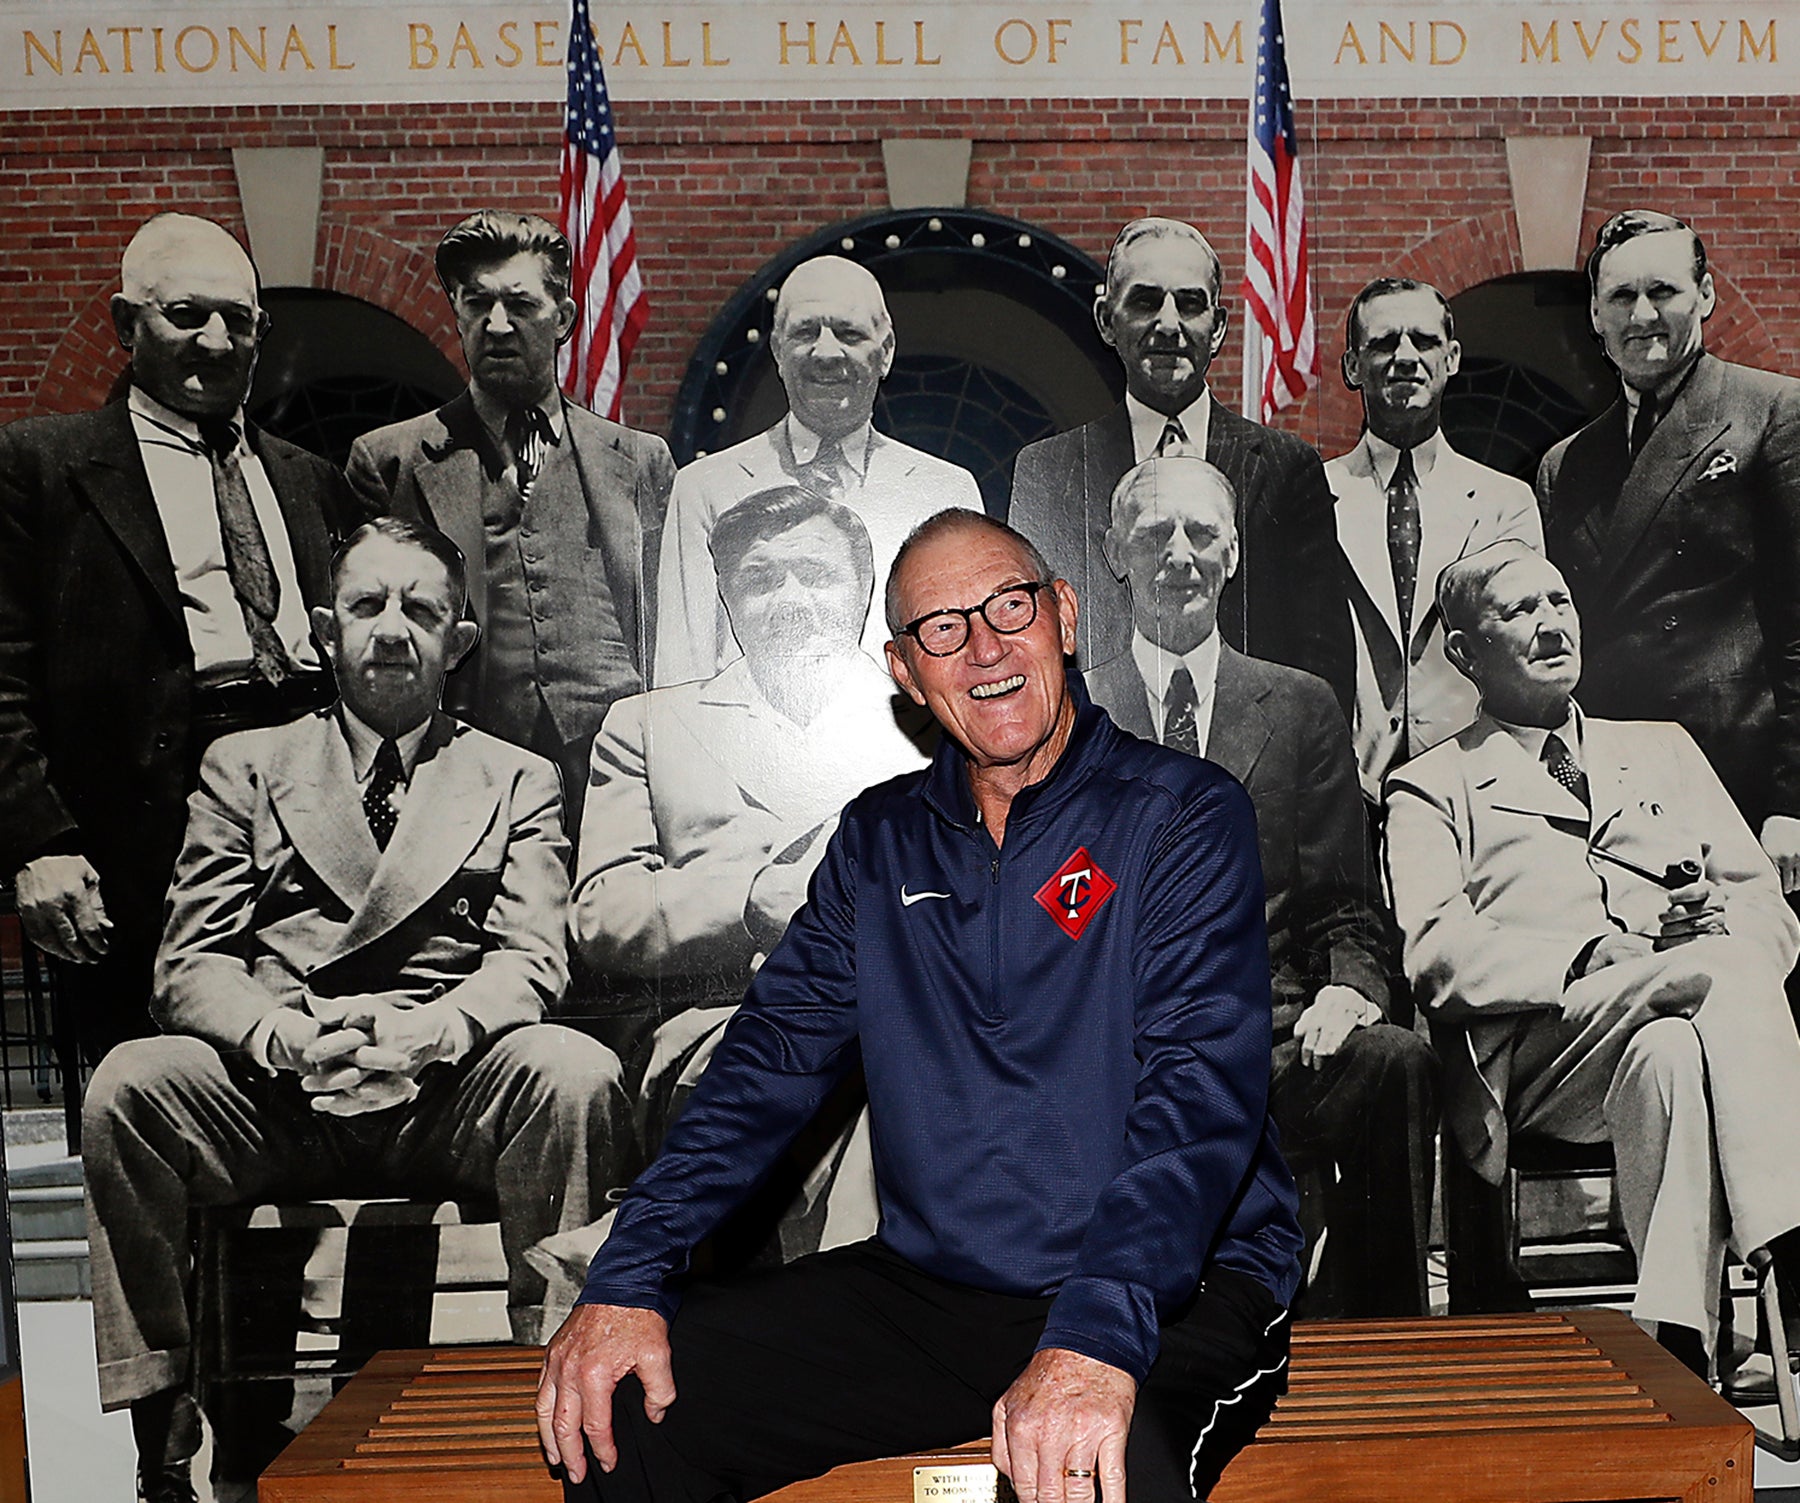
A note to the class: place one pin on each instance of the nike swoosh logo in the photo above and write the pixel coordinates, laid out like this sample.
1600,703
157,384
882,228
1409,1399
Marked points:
907,899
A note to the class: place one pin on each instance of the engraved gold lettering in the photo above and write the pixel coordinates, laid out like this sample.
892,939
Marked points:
882,60
1166,40
52,60
1128,38
1406,49
1532,45
419,41
1747,39
1350,42
1055,40
1709,47
331,38
258,55
90,47
1628,33
628,38
212,57
125,34
1234,39
295,45
514,53
919,58
841,38
707,60
811,43
543,42
1438,57
1006,48
1668,42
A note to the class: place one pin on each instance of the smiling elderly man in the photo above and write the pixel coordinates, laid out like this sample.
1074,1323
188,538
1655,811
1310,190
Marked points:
1048,951
833,344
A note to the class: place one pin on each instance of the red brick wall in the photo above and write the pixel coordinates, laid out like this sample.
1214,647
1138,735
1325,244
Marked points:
717,189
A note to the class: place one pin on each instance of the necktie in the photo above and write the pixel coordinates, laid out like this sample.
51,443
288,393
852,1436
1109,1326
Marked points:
247,560
827,472
1644,423
1179,730
1174,436
1562,767
528,436
1403,539
378,797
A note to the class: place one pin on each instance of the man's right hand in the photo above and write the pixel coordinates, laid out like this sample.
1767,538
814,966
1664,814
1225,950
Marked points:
60,908
596,1347
1615,948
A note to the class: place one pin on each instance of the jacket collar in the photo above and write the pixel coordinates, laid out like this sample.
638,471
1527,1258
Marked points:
946,788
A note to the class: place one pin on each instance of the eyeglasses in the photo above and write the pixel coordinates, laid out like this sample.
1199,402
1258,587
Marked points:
240,322
1007,611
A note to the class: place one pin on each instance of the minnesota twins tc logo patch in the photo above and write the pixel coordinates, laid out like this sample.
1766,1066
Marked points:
1076,893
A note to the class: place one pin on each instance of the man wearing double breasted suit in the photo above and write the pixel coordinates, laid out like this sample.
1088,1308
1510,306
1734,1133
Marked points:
557,510
1600,943
1162,311
1346,1084
833,343
365,928
1675,518
1407,505
132,629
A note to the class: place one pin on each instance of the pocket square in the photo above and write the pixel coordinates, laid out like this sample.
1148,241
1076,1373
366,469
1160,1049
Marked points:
1722,463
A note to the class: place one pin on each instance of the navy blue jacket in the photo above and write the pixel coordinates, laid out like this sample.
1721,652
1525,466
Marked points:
1078,1116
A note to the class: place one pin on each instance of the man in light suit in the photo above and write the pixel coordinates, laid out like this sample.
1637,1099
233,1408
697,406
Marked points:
833,344
131,631
365,927
1581,984
1346,1083
710,806
1161,310
1675,517
1407,504
557,510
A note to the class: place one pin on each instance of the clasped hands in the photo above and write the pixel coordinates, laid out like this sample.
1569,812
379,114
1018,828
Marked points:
363,1053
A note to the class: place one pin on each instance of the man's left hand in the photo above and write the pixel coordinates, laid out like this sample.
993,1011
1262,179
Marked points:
1781,839
402,1040
1330,1018
1065,1413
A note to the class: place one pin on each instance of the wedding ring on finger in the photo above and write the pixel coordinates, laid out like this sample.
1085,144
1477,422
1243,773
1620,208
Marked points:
1078,1471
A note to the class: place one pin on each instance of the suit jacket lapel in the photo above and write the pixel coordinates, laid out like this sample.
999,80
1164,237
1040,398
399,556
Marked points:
312,790
1118,688
609,483
1106,456
1690,425
1510,779
1240,727
452,483
113,478
450,804
301,510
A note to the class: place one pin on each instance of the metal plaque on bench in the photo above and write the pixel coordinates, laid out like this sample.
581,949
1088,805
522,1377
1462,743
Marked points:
965,1482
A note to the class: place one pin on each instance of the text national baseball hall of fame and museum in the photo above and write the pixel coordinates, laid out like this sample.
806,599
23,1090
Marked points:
225,51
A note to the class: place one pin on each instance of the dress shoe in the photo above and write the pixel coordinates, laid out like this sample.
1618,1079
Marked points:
166,1482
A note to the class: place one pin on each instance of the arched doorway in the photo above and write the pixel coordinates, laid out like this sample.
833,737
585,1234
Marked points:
1532,371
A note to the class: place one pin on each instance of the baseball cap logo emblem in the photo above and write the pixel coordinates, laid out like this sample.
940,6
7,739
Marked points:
1075,893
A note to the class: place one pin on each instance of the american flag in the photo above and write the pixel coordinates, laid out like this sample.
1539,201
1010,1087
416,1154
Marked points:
597,220
1281,354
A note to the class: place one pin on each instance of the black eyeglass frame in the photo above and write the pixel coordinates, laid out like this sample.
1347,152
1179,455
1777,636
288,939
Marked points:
1031,587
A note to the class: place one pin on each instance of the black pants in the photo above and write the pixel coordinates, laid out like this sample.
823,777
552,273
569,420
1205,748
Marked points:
854,1353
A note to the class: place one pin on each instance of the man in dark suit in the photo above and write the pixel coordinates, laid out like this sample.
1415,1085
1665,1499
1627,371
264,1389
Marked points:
1675,518
365,928
157,558
558,511
1346,1083
1161,311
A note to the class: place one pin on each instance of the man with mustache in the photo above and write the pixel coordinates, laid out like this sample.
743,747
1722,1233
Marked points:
1346,1083
1161,310
557,509
1675,516
365,928
1582,982
157,561
1407,504
833,344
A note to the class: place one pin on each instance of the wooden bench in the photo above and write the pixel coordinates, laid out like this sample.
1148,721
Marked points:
1560,1407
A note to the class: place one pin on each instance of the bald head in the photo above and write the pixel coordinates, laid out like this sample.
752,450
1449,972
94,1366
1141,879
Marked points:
171,244
833,344
188,313
1173,541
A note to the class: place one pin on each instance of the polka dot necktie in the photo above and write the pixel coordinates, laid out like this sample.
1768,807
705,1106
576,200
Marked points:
1403,539
378,797
1561,766
1180,731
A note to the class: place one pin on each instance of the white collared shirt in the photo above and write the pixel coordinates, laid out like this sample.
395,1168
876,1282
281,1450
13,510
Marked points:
1383,457
1147,424
365,745
181,485
1157,666
1533,737
805,444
